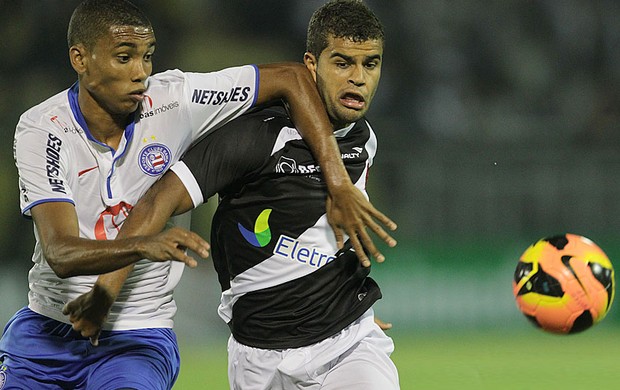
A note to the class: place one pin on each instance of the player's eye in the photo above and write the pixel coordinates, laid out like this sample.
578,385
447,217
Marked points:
123,58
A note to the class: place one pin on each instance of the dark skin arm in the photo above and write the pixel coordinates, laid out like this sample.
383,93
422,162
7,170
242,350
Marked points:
69,255
167,197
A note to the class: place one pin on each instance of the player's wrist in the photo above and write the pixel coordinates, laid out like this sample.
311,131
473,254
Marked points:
104,295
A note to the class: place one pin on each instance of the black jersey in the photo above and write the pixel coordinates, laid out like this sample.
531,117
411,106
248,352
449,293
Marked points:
284,282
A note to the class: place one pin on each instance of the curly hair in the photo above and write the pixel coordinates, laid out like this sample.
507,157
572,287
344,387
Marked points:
342,19
93,18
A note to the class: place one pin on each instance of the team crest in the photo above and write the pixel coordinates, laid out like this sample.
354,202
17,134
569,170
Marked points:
154,159
2,376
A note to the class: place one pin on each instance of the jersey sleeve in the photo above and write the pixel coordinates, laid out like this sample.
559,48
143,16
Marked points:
42,161
218,97
223,159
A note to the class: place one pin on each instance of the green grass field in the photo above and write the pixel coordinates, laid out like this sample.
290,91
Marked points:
463,289
527,359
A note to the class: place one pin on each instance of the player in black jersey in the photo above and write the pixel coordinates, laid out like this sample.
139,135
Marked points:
298,303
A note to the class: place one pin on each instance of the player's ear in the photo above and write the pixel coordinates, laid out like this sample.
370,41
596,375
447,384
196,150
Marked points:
78,58
311,63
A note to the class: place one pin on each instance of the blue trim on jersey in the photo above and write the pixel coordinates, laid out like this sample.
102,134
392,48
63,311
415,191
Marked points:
46,200
129,136
256,84
79,117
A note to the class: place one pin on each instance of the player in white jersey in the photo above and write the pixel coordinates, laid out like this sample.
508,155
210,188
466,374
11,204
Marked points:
86,155
299,309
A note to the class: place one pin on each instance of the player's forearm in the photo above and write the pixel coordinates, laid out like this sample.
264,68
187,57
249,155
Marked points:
325,149
148,217
112,282
71,256
310,118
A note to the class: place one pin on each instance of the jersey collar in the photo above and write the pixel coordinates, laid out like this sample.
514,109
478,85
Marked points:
344,131
79,117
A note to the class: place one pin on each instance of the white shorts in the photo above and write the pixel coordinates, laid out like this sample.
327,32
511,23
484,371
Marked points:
356,358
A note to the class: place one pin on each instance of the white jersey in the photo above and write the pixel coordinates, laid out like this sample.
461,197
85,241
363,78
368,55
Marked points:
58,160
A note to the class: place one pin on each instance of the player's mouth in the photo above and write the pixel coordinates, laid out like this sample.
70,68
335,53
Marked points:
353,100
137,95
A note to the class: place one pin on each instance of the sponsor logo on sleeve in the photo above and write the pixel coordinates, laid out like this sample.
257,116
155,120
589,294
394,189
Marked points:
52,163
154,159
211,97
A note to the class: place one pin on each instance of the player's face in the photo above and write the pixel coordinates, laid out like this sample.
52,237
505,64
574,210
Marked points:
115,70
347,75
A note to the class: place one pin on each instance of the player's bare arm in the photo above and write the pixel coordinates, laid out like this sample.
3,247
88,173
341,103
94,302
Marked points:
348,210
69,255
167,197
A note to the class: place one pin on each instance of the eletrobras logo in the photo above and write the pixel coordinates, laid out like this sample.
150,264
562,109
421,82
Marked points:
287,247
261,234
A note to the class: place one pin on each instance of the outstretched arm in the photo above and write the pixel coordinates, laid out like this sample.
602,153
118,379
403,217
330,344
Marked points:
348,210
165,198
68,254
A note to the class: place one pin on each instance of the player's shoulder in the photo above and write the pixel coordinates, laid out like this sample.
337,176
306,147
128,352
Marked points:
52,113
165,79
272,116
271,112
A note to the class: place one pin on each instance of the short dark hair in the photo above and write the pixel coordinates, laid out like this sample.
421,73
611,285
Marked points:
342,19
93,18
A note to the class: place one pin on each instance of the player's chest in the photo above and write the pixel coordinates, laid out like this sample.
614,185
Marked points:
124,174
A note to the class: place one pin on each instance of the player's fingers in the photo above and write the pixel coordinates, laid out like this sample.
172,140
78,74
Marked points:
192,241
178,254
383,325
338,234
73,310
70,308
359,250
384,219
370,245
86,328
381,233
94,340
88,332
81,327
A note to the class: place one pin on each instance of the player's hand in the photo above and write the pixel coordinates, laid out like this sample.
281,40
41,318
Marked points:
383,325
172,244
88,312
349,212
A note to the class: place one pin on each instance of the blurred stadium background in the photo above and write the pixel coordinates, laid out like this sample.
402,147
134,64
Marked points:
498,123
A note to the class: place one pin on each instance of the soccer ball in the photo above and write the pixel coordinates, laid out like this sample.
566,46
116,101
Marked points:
564,284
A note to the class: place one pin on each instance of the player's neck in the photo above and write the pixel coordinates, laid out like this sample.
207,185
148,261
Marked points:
339,125
103,126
